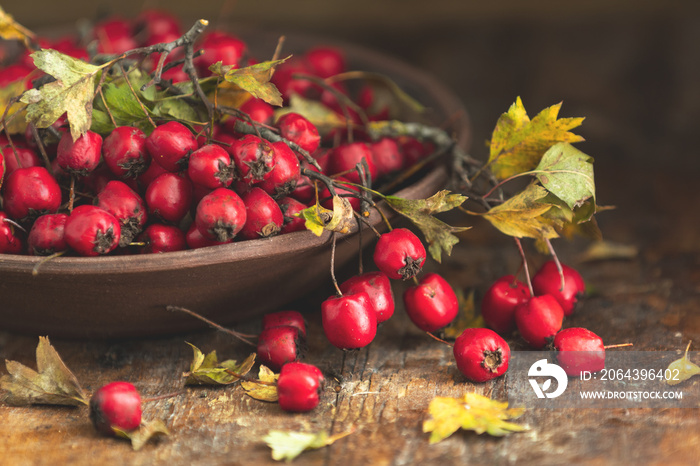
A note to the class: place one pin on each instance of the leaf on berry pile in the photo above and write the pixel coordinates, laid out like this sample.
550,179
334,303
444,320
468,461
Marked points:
322,117
468,317
207,370
682,369
288,445
340,219
72,92
253,79
178,109
437,233
265,391
15,120
52,383
470,412
518,143
145,432
12,30
567,173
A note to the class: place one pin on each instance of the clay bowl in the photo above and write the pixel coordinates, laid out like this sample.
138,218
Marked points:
126,296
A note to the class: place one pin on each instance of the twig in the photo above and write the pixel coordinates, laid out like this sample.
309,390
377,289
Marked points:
241,336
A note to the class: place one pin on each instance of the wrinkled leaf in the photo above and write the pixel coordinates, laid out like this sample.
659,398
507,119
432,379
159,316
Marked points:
207,370
18,123
470,412
469,316
518,143
318,219
567,173
72,92
254,79
320,115
144,433
686,369
288,445
122,103
262,391
12,30
52,383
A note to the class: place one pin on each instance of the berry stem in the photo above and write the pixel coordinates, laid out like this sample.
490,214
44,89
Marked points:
335,282
434,337
620,345
42,149
241,336
524,265
560,269
35,269
71,193
245,378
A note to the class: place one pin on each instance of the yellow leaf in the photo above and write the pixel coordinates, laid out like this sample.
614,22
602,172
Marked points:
12,30
15,119
288,445
523,215
681,369
265,391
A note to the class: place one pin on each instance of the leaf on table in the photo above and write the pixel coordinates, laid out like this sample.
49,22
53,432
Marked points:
340,219
322,117
146,431
470,412
15,119
567,173
469,316
72,92
608,250
52,383
207,370
523,215
686,369
12,30
253,79
286,446
438,234
266,391
518,143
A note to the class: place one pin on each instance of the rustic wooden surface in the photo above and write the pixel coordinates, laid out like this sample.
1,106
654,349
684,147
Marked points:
636,79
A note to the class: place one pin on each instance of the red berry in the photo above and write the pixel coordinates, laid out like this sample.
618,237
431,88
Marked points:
114,36
81,156
345,157
30,192
285,318
152,172
299,130
481,354
378,288
299,387
158,22
47,235
287,84
326,61
210,166
170,145
253,157
161,238
258,110
196,240
91,231
24,158
290,207
10,243
124,152
547,280
284,175
432,304
579,350
220,215
386,156
399,254
117,404
499,303
264,216
280,345
169,197
127,206
349,321
538,319
219,47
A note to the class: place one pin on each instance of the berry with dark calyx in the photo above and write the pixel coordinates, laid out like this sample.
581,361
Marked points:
127,206
285,318
23,158
152,172
220,215
547,280
290,207
539,319
159,238
210,166
349,321
92,231
253,156
170,145
345,157
299,387
10,243
432,304
124,152
169,197
399,254
30,192
283,178
47,235
118,405
280,345
296,128
386,156
325,61
196,240
81,156
378,288
481,354
499,303
579,350
264,216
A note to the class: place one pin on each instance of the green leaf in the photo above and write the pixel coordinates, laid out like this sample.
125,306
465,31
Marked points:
177,109
207,370
122,103
523,215
288,445
72,92
438,234
682,369
567,173
143,434
254,79
517,143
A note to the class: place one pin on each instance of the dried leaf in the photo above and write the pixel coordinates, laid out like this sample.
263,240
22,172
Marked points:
254,79
340,219
207,370
144,433
18,123
518,143
523,215
437,233
72,92
686,369
567,173
12,30
468,317
52,383
262,391
288,445
470,412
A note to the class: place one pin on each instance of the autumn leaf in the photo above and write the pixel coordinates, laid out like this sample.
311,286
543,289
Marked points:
469,316
266,391
340,219
567,173
253,79
207,370
288,445
518,143
52,383
470,412
684,369
72,92
144,433
438,234
12,30
15,119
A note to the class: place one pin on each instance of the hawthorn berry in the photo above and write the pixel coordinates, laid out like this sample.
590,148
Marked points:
378,288
219,47
220,215
81,156
124,152
386,156
499,303
92,231
30,192
159,238
290,207
127,206
169,197
47,235
258,110
114,36
345,157
282,180
481,354
349,321
285,318
538,319
210,166
280,345
10,243
547,280
296,128
578,350
170,145
289,85
115,405
325,61
399,254
253,156
299,387
21,157
432,304
196,240
264,216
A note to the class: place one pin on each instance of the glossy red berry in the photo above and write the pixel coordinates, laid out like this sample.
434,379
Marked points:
81,156
159,238
264,216
296,128
114,36
196,240
538,319
285,318
399,254
47,235
578,350
91,231
326,61
169,197
220,215
547,280
282,180
349,321
210,166
378,288
432,304
481,354
124,152
10,243
288,84
299,387
170,145
30,192
258,110
219,47
292,222
118,405
499,303
344,158
253,156
21,157
127,206
386,156
280,345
